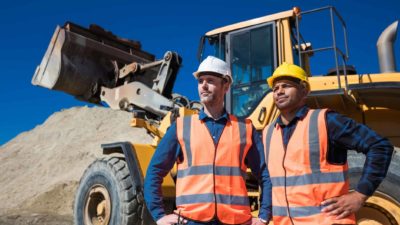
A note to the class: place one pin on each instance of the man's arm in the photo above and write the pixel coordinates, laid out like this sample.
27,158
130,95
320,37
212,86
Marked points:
346,134
256,161
161,163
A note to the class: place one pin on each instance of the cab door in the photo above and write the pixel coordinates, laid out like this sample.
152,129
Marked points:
251,54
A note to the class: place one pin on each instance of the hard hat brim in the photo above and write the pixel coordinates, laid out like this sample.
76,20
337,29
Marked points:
272,80
197,74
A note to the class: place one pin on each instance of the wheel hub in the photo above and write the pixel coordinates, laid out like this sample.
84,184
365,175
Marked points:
97,206
380,209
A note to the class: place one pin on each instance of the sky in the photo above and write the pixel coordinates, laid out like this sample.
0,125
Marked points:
160,26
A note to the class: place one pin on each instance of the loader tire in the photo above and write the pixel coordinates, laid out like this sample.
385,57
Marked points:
106,196
384,206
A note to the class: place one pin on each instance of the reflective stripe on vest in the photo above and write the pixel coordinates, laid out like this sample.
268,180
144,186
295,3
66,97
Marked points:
211,177
300,174
206,198
209,169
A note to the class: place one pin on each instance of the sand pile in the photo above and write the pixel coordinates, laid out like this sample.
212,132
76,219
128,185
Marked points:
41,168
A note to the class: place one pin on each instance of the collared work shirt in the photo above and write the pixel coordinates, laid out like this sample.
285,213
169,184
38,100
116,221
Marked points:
169,151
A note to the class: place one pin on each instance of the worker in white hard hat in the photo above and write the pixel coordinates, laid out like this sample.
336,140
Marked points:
306,153
214,79
212,150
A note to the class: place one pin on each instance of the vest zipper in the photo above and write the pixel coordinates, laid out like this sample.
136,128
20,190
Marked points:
284,169
215,156
215,195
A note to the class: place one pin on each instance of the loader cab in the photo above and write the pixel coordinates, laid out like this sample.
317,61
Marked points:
253,49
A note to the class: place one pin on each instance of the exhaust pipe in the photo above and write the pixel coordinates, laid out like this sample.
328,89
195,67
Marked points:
387,62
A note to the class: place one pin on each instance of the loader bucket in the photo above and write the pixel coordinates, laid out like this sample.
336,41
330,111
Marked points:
79,61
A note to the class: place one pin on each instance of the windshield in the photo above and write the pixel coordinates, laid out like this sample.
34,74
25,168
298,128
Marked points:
212,46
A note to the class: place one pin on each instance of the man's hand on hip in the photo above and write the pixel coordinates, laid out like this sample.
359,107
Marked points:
344,205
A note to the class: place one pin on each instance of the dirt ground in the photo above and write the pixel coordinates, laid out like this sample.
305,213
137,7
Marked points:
41,168
35,219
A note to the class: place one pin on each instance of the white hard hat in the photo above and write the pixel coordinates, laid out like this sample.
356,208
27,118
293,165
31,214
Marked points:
214,65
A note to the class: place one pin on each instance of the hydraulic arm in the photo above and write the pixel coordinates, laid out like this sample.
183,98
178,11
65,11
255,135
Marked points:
98,67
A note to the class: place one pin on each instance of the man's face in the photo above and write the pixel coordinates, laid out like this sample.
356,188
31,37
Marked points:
212,89
289,95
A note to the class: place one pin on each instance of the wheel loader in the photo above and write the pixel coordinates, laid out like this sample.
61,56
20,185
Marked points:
96,66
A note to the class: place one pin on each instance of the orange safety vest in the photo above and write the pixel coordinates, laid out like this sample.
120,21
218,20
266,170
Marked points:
300,174
211,177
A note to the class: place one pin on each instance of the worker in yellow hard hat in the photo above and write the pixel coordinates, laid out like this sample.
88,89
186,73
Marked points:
306,154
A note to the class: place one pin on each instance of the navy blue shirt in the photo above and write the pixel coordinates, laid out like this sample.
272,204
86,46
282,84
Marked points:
169,150
346,134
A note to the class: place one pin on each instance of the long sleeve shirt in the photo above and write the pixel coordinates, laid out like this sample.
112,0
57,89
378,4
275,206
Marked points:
346,134
169,150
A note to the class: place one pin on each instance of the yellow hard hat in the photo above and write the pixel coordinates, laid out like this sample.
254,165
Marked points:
288,70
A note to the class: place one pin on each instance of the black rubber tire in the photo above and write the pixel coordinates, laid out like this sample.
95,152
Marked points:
390,184
127,204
